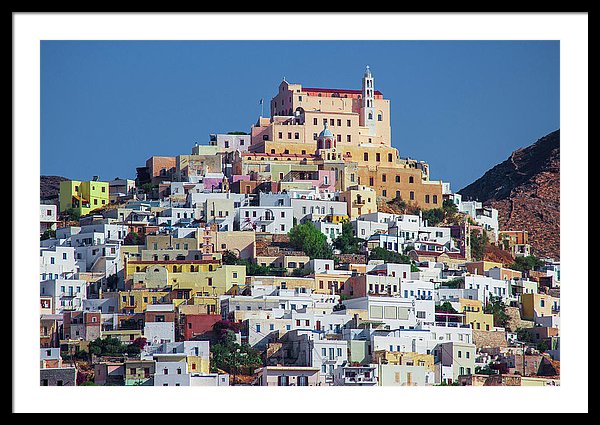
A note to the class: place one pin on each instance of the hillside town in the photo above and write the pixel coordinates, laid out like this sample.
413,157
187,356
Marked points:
304,252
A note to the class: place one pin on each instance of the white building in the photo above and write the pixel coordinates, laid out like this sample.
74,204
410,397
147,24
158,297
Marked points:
229,142
270,219
331,230
157,333
48,217
317,209
68,294
486,217
452,360
171,374
57,262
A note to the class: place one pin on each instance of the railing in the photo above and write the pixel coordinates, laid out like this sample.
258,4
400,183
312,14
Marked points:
452,324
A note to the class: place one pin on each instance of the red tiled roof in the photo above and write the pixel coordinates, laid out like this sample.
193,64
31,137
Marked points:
377,92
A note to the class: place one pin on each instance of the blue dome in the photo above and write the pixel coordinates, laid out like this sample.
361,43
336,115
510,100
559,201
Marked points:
326,132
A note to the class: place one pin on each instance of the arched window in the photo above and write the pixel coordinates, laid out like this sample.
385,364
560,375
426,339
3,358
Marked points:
366,156
411,179
370,115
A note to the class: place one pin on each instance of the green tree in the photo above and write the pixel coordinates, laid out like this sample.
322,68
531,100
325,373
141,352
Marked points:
133,238
379,253
106,347
298,272
449,207
147,188
455,283
433,216
479,242
229,258
497,307
48,234
112,282
306,237
543,346
530,262
71,214
228,355
399,204
346,242
445,307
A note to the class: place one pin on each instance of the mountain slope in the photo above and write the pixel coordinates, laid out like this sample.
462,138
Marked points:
525,189
50,187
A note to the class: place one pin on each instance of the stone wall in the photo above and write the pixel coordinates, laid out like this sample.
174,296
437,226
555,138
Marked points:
484,339
515,322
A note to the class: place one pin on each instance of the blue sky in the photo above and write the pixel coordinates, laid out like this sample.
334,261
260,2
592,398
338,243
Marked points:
461,106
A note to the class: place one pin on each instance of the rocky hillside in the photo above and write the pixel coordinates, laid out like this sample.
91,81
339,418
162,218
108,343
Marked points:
49,187
525,189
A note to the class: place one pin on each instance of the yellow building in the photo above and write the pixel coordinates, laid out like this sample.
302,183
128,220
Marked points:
329,283
360,200
136,300
126,336
195,364
404,358
198,276
480,267
539,305
286,282
83,197
474,315
158,242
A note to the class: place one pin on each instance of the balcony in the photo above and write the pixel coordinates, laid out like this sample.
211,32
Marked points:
265,219
359,380
452,324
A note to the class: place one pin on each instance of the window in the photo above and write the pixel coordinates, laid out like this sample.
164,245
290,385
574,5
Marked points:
412,196
349,138
324,352
383,177
296,136
467,354
411,179
257,328
331,122
366,156
384,193
426,199
370,181
459,355
339,352
303,381
315,122
435,199
59,383
178,371
379,117
348,123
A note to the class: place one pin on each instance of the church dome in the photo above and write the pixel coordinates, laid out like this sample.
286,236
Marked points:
326,132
